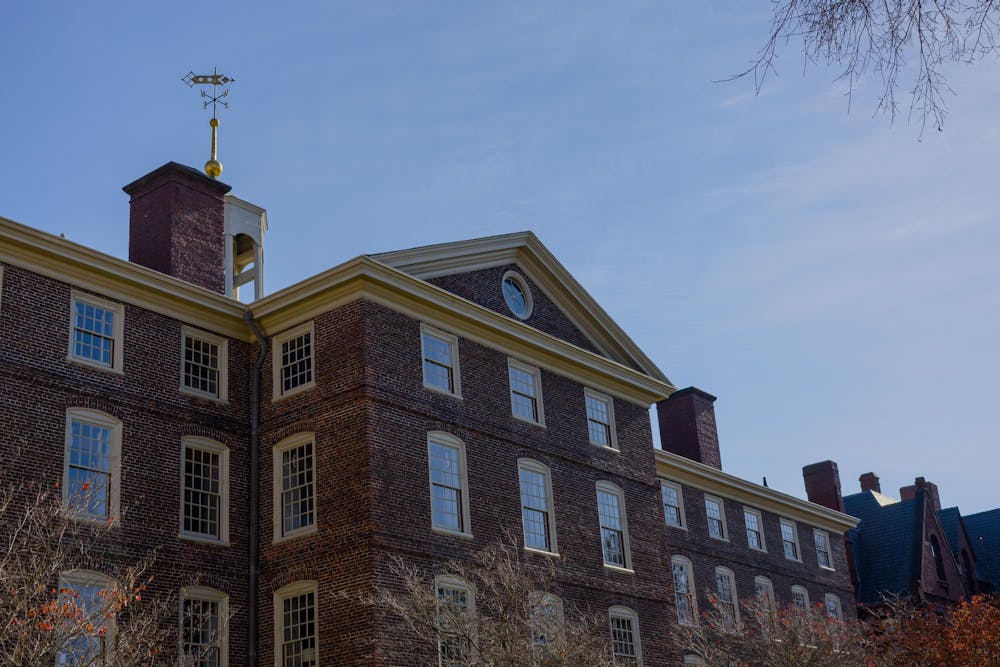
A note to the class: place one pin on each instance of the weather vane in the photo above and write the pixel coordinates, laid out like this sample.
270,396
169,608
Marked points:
213,167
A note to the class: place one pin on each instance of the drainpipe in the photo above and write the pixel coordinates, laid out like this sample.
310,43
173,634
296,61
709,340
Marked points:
254,489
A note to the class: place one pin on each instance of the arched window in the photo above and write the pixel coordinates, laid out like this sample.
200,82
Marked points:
92,465
204,489
763,589
456,602
546,626
800,597
88,596
294,482
295,627
832,604
938,559
725,588
449,483
537,513
625,645
684,590
204,627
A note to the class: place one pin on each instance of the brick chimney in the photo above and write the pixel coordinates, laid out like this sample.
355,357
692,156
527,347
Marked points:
920,484
869,482
176,225
822,482
687,426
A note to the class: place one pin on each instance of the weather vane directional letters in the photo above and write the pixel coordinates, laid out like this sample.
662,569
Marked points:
215,80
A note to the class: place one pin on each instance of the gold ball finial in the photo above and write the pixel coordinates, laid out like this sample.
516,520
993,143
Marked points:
214,122
213,168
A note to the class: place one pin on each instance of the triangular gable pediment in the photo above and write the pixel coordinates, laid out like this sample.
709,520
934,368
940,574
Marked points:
540,266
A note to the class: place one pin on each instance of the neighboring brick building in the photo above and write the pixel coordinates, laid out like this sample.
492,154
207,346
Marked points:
420,404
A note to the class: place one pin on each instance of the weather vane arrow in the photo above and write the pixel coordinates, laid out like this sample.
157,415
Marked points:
213,167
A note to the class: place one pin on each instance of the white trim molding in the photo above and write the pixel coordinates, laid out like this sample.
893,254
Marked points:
277,367
296,589
277,484
222,364
94,418
192,442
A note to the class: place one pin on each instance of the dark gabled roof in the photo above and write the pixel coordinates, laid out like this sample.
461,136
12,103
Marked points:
883,545
984,531
951,521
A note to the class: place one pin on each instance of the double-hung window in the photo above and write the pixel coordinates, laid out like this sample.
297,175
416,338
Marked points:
684,591
96,331
832,604
755,529
205,489
763,589
600,419
440,359
455,604
294,360
204,364
673,503
800,597
790,539
822,540
614,528
547,627
295,620
87,604
536,505
715,512
625,646
525,392
204,626
725,587
448,483
92,465
295,486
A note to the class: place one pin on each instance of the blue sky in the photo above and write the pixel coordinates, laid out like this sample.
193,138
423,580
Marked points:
831,277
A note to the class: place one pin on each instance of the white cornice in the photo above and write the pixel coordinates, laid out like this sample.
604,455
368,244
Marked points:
525,250
89,269
366,278
677,468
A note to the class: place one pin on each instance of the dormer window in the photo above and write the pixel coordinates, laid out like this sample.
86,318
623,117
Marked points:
517,295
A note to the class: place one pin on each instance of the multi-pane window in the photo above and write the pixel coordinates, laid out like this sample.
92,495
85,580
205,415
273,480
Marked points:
91,468
204,364
800,597
449,498
684,595
725,587
454,602
96,332
525,392
822,541
83,599
600,419
673,504
614,535
536,505
755,530
295,485
204,492
546,626
715,513
293,360
790,539
625,645
203,627
440,358
295,611
832,604
763,589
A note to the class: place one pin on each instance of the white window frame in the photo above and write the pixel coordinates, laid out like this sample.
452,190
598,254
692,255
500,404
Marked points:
728,573
118,353
532,465
692,593
214,447
612,443
292,442
614,489
768,585
760,528
456,375
294,590
529,302
722,517
449,440
539,599
805,594
104,420
838,614
222,382
207,594
539,405
74,578
276,342
795,533
680,504
619,611
451,582
817,533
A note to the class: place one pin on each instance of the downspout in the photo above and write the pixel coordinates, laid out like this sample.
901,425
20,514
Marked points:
252,609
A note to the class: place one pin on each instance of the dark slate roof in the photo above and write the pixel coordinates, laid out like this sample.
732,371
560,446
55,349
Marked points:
883,545
986,525
951,521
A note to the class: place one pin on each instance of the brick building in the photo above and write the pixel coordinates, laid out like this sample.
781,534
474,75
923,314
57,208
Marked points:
420,404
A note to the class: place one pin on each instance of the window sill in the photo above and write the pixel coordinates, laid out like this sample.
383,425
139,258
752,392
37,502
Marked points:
203,539
827,568
451,533
443,392
794,560
607,448
721,539
540,424
188,391
299,532
295,391
620,570
542,552
758,550
675,526
94,365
